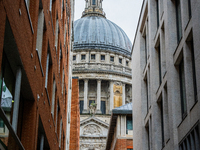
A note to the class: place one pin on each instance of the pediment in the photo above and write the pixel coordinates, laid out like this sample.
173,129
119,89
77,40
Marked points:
95,120
93,127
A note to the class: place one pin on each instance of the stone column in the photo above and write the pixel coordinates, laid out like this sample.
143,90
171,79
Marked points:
98,96
85,96
111,96
123,93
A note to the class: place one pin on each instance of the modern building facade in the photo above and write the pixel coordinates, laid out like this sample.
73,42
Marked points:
166,83
35,76
102,61
120,133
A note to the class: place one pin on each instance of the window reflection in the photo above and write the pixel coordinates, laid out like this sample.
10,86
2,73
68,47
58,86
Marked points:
7,82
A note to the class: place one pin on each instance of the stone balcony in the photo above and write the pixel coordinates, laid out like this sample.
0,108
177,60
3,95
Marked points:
102,68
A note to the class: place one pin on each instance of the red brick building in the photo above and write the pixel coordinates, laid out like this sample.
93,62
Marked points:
75,116
120,133
35,46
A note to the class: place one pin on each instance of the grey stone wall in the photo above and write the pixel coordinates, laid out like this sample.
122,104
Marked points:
157,82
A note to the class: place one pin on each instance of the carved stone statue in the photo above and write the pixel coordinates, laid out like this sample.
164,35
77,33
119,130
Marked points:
92,108
92,130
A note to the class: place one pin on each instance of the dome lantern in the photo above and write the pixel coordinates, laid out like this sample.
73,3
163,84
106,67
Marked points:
93,7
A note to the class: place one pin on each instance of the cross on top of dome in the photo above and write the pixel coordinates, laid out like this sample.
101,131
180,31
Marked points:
93,7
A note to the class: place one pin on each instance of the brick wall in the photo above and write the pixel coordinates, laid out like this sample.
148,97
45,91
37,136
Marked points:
123,144
36,103
75,116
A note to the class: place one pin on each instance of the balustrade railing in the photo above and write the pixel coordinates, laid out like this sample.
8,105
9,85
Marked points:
101,67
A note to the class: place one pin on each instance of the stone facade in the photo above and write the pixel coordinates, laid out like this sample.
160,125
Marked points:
93,133
166,83
102,62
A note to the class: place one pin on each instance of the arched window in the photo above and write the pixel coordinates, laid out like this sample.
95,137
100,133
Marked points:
93,2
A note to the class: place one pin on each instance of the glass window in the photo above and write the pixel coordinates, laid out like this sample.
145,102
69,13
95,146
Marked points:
102,57
182,88
191,47
53,97
112,58
48,77
145,48
40,30
82,57
28,3
103,107
191,140
74,57
159,64
50,5
93,2
56,36
129,124
127,63
157,11
189,9
120,60
178,22
93,56
162,121
81,103
7,89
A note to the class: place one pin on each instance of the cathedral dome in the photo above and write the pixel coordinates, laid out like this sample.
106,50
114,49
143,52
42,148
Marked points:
97,32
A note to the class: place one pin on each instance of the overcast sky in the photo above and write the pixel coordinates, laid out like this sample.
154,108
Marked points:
125,13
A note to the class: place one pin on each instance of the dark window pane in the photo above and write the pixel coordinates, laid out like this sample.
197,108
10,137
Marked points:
92,56
81,103
162,120
93,2
82,57
127,63
182,88
8,87
191,46
145,42
74,57
178,21
159,64
129,124
120,60
189,9
157,11
102,57
103,107
112,58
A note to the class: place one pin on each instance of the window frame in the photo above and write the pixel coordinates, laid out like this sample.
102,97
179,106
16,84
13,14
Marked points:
83,57
182,89
178,20
93,57
103,57
129,118
120,60
112,59
74,57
